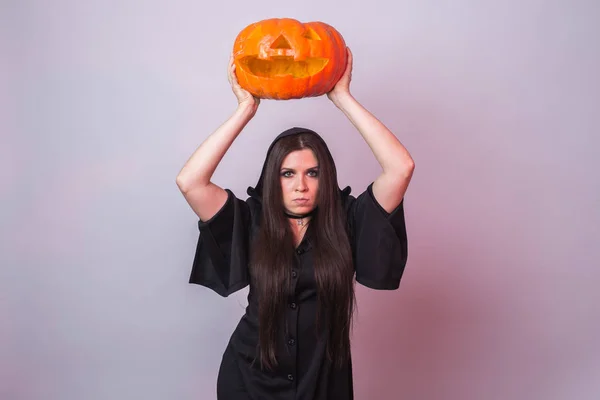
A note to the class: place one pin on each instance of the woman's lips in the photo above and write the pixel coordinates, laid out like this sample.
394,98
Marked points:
300,201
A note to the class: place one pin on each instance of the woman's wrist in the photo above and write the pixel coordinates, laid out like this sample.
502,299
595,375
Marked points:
342,100
247,109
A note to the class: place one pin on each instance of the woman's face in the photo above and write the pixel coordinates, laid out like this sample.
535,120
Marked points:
299,176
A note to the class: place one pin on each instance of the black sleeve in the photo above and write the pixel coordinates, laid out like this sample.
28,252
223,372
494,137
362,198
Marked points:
378,240
221,259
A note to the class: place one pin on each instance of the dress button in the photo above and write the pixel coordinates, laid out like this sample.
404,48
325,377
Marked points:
293,305
299,251
292,341
294,274
290,377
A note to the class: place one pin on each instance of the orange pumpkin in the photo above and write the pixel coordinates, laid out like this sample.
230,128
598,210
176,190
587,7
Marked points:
282,58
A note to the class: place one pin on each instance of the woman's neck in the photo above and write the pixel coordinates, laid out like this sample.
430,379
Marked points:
299,223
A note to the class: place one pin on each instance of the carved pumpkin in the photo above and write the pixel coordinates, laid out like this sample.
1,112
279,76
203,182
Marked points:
282,58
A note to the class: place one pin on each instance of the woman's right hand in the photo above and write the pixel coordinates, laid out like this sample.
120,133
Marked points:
244,97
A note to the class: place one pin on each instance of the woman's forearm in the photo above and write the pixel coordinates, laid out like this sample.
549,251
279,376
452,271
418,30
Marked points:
391,154
200,167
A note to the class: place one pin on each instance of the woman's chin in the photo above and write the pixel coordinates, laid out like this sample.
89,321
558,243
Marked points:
300,208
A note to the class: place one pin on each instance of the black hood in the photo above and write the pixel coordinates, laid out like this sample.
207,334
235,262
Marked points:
256,191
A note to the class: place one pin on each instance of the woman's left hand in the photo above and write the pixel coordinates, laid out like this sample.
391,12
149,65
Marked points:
342,87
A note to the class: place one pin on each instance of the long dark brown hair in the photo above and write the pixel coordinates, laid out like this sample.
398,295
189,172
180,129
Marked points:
272,254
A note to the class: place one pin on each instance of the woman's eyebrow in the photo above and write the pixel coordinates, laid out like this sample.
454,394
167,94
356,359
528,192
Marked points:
292,169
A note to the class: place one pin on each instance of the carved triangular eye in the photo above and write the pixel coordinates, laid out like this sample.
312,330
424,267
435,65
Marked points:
309,33
281,43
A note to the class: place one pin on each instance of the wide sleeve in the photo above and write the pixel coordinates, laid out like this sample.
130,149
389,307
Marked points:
221,258
379,241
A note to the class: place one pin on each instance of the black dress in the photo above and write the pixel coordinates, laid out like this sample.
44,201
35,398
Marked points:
379,247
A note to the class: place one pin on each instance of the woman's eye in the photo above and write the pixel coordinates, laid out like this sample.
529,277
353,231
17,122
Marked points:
287,174
313,173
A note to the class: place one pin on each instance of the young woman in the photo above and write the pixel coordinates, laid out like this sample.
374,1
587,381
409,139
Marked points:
299,242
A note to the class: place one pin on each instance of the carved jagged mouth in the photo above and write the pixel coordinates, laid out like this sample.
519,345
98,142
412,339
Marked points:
283,65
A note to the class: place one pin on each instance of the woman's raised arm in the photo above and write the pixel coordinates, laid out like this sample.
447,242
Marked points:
194,179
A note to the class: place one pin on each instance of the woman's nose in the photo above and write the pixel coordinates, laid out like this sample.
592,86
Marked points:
300,185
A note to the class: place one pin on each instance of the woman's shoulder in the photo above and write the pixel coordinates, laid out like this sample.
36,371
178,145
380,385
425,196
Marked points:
346,197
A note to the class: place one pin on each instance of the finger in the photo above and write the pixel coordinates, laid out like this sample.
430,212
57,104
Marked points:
231,63
233,75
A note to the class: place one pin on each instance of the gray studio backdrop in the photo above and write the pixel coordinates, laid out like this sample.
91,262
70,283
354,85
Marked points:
103,102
